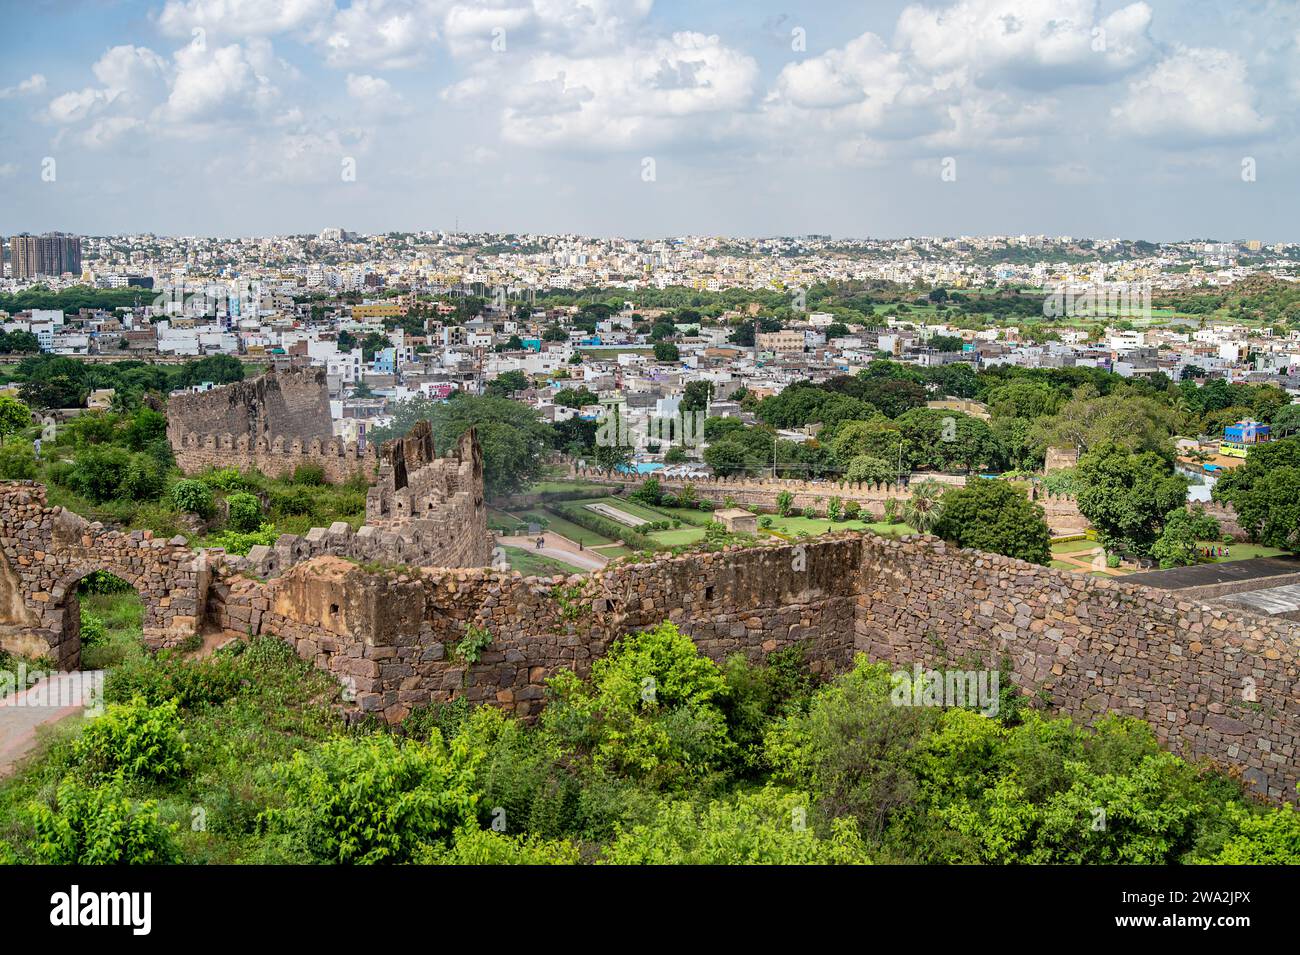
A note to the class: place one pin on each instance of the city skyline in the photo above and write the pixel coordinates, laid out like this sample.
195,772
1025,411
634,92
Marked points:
1165,120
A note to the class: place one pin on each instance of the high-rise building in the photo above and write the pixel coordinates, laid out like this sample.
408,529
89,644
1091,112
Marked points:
51,254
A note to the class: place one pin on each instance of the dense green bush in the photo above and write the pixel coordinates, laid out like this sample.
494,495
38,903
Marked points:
235,542
134,741
309,475
374,799
192,496
245,511
98,825
649,711
17,461
768,827
471,846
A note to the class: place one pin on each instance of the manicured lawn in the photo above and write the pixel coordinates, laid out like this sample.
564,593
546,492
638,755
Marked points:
613,550
1071,547
1062,565
579,535
1243,551
563,487
819,525
687,515
676,538
538,565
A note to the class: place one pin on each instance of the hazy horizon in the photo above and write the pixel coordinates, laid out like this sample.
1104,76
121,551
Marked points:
1161,119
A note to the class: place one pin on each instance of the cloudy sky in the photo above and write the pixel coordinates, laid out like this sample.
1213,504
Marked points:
1154,119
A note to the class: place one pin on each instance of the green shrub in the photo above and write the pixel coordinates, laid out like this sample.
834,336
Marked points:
99,826
245,512
472,846
1261,837
235,542
309,475
93,630
650,709
134,741
374,799
296,501
17,461
170,677
851,510
810,512
225,479
192,496
768,827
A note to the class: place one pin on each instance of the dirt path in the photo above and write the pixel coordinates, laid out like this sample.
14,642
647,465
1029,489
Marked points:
1086,560
560,548
22,715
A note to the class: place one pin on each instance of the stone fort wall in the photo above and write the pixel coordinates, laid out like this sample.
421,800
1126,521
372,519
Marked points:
423,511
1213,681
274,423
1061,512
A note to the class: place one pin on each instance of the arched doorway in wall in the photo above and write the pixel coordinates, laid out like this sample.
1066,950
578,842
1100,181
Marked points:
110,620
101,619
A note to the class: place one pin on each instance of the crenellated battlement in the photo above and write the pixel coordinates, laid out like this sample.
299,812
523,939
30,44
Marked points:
276,456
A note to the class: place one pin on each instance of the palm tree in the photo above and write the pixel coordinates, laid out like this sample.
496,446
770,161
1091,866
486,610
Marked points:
923,509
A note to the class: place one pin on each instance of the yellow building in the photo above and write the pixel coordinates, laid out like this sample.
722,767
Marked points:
364,313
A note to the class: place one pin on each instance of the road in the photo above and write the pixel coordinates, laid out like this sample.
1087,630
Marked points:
54,698
560,548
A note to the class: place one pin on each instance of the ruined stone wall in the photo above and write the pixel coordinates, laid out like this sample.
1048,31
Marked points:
423,511
48,550
1212,681
1060,511
278,456
273,423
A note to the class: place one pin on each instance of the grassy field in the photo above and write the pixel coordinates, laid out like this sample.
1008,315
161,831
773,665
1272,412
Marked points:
679,537
122,615
1071,547
565,528
531,564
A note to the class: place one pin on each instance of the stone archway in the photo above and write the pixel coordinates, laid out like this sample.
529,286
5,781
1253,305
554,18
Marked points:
63,619
49,549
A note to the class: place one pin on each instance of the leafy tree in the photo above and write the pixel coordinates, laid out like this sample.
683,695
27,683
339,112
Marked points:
218,369
667,351
871,470
56,391
1126,496
946,440
997,517
1184,529
576,397
1125,417
697,395
14,416
507,383
1265,492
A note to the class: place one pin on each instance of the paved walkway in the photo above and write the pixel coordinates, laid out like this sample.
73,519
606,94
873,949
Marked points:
54,698
560,548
